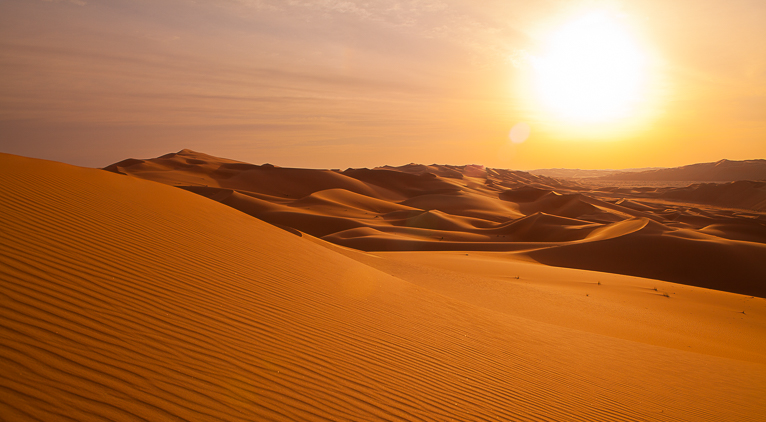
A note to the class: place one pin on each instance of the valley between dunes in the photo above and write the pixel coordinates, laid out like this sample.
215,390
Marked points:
410,293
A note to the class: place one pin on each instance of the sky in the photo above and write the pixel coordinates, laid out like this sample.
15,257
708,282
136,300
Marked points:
344,83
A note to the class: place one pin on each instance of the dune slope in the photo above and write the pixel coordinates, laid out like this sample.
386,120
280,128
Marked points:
123,299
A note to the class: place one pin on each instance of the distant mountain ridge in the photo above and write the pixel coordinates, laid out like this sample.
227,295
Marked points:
719,171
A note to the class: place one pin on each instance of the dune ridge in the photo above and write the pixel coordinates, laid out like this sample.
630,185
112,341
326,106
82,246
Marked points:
443,207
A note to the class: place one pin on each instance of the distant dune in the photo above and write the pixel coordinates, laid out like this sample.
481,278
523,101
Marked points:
720,171
745,194
642,232
125,299
562,173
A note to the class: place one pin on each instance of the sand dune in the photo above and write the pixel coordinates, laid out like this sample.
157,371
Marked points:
741,194
442,208
740,230
334,199
124,299
471,204
712,263
574,205
722,170
542,227
403,185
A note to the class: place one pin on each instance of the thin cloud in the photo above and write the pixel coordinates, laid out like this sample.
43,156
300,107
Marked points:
488,38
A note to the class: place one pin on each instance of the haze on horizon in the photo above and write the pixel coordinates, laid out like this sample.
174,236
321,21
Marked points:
335,83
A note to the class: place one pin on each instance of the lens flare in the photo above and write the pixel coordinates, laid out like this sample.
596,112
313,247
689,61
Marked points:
519,132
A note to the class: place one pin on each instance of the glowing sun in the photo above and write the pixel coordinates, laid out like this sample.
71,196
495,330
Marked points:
591,71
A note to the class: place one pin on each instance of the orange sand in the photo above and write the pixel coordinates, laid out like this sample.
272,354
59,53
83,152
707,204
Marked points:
126,299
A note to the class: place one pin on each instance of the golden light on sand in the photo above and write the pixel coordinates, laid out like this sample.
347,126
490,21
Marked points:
591,71
434,292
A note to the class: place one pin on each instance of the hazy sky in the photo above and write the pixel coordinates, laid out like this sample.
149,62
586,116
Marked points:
343,83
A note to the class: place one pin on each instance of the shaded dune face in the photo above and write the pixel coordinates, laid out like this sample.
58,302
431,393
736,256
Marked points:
441,208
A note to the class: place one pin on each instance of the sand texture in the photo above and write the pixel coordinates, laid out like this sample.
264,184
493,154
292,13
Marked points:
125,299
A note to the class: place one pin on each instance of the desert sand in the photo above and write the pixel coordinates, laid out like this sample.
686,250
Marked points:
409,293
645,232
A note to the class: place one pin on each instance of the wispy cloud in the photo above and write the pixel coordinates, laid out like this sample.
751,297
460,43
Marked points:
487,37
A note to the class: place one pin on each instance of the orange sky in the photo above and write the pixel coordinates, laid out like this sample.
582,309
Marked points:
342,83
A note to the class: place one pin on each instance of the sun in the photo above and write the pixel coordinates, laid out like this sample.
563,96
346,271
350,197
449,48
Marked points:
592,70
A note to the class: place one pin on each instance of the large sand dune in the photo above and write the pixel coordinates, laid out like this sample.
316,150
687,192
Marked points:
124,299
643,232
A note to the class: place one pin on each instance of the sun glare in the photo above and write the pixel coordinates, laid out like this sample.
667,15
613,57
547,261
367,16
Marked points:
591,71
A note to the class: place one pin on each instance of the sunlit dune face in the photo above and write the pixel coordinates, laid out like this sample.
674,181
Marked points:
591,71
